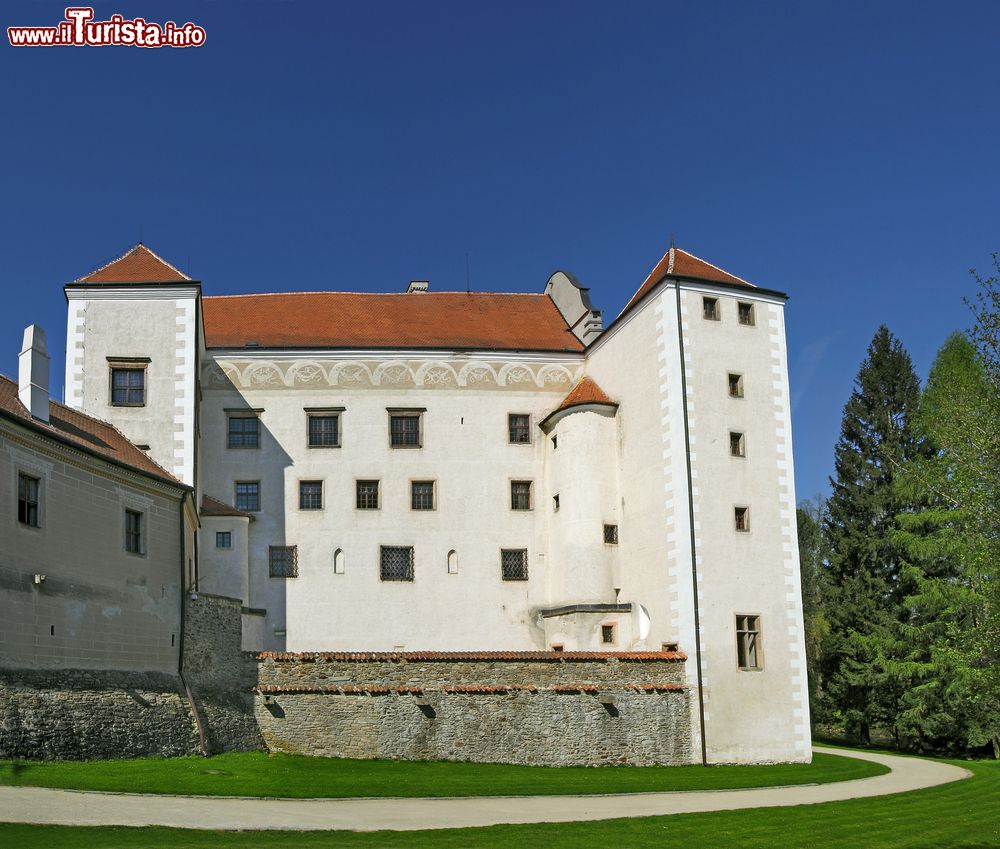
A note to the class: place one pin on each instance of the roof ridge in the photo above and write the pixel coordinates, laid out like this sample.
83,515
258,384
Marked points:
712,264
377,294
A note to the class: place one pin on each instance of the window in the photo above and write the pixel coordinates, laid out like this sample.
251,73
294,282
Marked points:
555,503
367,495
27,500
608,634
404,430
310,495
514,564
338,562
133,532
742,515
283,561
735,385
520,495
710,307
737,444
557,647
244,432
223,539
248,496
128,386
611,534
748,654
422,495
555,442
670,647
745,313
452,562
519,429
324,431
396,563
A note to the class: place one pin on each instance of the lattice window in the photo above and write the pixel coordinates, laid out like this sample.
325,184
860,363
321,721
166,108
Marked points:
396,563
607,633
244,432
27,500
422,495
283,561
128,387
248,496
404,430
223,539
748,642
324,431
611,534
310,495
514,564
367,495
519,429
520,495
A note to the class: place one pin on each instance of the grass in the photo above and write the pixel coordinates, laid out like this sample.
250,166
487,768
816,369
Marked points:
298,777
960,815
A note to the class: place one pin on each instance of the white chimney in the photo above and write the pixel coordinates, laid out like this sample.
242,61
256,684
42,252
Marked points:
33,373
417,286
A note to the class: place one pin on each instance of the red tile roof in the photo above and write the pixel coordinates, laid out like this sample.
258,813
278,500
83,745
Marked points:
481,320
679,263
81,431
213,507
137,265
472,656
586,391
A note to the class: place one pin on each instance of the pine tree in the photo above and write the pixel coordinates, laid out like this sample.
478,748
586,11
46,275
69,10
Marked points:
864,599
813,559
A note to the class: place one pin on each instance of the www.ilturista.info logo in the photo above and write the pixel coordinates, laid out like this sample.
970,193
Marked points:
79,29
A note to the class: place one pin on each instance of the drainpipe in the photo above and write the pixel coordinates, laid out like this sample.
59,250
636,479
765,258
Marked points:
202,741
694,549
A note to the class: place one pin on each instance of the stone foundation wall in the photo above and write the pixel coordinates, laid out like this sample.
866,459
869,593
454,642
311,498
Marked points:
555,709
77,714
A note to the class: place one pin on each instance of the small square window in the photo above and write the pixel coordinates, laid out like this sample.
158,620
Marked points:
244,432
396,563
557,647
422,495
608,634
404,430
223,539
748,653
520,495
710,308
742,516
27,500
670,647
746,314
128,386
310,495
519,429
611,534
367,495
735,385
737,444
248,496
324,431
133,532
283,561
514,564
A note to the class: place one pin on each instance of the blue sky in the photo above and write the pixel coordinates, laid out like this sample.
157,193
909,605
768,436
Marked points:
846,153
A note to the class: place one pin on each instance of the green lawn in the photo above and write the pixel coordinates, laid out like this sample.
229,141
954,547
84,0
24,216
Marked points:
961,815
294,776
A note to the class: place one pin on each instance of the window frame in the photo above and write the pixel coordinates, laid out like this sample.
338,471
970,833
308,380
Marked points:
294,569
322,500
741,515
613,626
228,535
716,311
236,496
357,493
408,413
409,579
751,311
743,647
433,494
613,529
527,429
116,364
524,564
738,441
234,415
134,536
28,504
530,494
739,384
324,413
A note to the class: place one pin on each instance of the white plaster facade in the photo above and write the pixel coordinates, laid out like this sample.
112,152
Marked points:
656,464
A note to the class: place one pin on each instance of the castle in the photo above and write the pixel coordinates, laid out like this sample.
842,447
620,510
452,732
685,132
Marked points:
465,477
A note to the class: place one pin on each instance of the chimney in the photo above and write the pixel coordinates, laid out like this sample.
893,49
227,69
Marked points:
417,286
33,373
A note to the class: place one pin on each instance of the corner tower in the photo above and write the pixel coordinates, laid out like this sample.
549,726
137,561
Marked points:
132,347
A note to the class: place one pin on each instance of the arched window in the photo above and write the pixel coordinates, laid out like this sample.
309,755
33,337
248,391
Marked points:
338,562
452,562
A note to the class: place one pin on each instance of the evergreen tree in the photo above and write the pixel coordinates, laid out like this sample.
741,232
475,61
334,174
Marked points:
813,559
864,599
